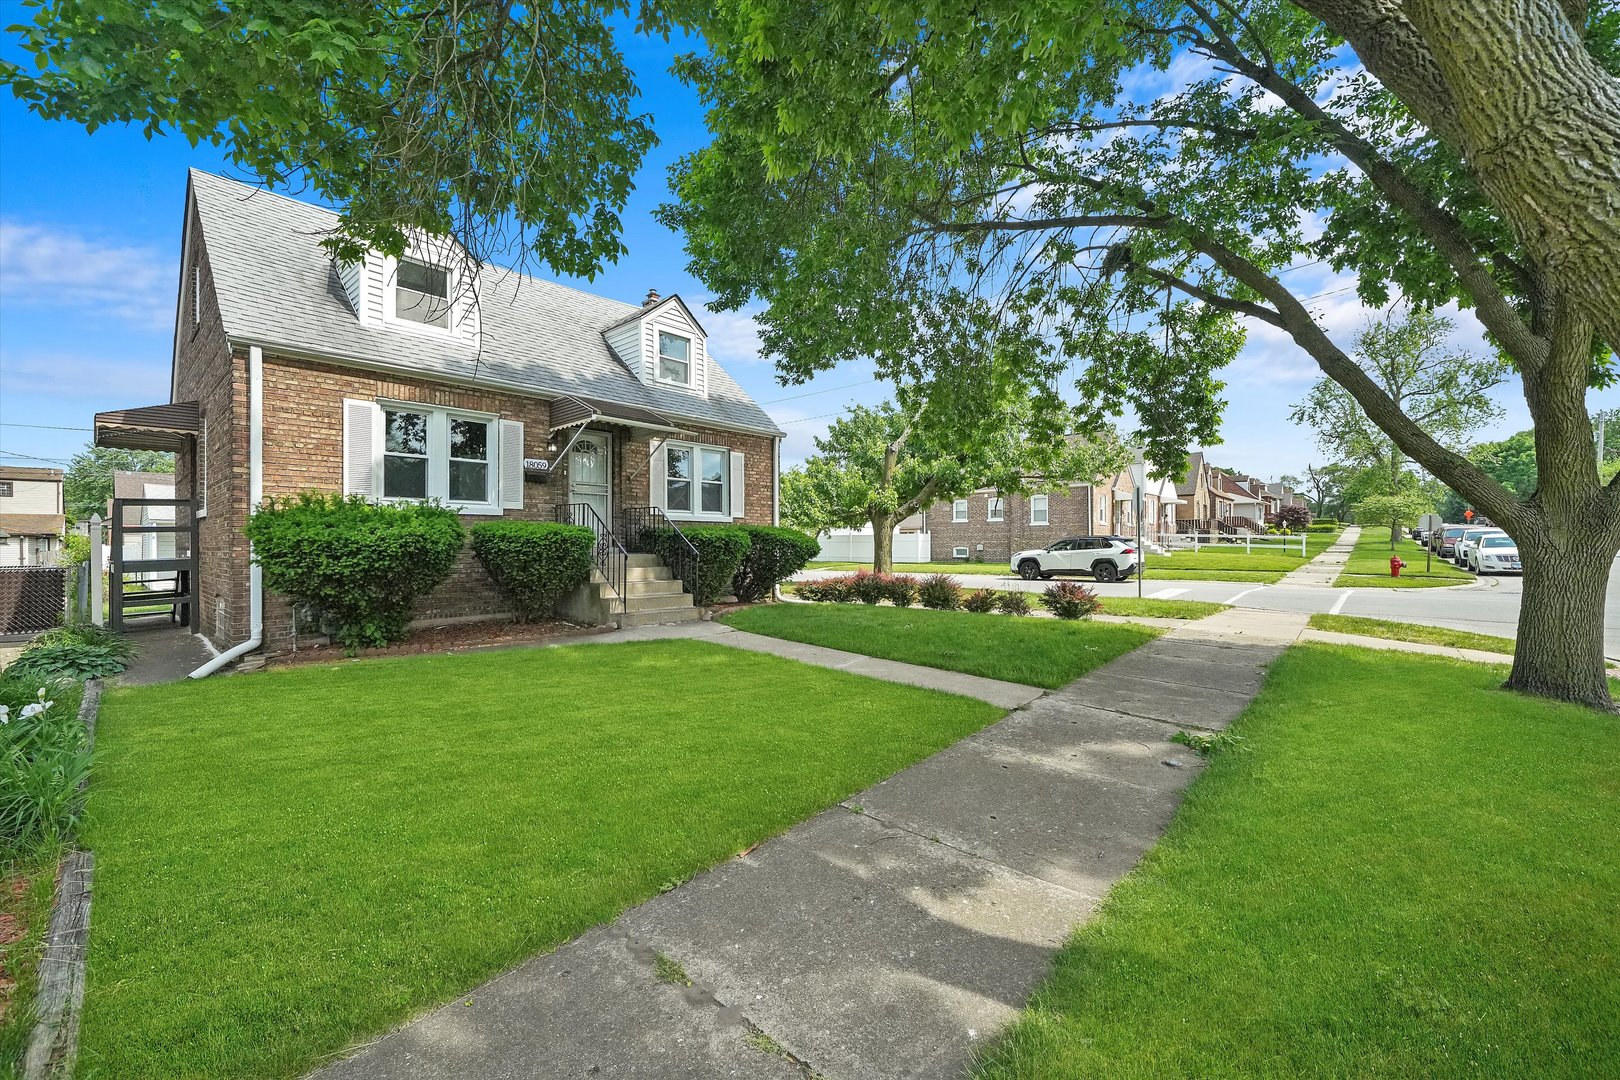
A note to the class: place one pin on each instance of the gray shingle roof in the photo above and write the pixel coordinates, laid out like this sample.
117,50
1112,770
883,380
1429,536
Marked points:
277,287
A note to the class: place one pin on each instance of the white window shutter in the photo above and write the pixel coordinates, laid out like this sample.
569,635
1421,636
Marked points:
739,483
362,424
658,476
511,464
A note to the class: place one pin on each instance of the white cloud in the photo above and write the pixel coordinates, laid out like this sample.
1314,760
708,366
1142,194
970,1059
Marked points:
733,335
43,266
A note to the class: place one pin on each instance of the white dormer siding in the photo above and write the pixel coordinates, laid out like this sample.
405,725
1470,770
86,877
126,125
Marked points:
636,343
369,285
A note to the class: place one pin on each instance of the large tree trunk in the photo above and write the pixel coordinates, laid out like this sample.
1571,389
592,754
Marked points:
883,543
1559,653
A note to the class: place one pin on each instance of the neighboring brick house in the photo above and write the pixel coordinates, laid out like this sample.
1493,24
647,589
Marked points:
31,516
988,527
394,378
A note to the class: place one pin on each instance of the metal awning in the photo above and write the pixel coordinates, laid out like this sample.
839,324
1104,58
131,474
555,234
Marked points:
569,411
153,427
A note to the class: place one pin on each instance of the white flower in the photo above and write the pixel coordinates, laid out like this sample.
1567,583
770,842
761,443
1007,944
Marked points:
36,708
5,714
42,693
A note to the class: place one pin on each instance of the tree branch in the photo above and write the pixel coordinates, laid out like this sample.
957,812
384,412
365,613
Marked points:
1209,296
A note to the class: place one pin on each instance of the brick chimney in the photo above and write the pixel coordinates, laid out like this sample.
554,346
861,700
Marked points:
652,299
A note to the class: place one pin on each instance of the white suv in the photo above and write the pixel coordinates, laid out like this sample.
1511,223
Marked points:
1106,558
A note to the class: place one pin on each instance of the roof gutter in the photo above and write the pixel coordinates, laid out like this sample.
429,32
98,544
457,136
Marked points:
255,496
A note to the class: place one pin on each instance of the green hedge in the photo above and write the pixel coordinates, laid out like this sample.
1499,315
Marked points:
774,555
355,565
534,563
721,551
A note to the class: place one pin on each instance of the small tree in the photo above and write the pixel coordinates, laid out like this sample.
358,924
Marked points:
1293,518
1400,509
88,482
878,466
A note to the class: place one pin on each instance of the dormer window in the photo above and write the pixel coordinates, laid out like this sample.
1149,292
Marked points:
422,294
674,358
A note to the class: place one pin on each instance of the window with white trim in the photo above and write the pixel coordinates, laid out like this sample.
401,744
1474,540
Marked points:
438,454
959,510
422,293
697,480
1037,510
993,508
1102,508
674,358
201,480
196,296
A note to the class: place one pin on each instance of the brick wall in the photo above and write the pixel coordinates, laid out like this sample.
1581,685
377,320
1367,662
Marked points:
208,373
1068,513
758,466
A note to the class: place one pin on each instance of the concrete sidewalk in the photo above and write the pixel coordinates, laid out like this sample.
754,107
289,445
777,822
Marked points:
1322,571
1007,695
886,937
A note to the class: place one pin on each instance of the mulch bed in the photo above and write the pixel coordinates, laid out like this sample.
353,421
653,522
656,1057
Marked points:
451,638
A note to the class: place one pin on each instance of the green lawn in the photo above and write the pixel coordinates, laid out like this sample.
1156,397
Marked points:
1399,631
1159,609
993,569
290,861
1401,871
1036,652
27,884
1369,565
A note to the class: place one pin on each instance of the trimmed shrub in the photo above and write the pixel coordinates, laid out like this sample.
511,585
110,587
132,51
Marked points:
534,563
356,566
1070,600
868,588
721,550
980,600
940,592
1323,527
1013,603
903,589
774,555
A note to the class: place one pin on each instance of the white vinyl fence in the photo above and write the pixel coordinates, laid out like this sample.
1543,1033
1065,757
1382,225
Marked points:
857,547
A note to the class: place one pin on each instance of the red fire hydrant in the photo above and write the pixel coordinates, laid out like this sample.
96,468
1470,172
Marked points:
1395,565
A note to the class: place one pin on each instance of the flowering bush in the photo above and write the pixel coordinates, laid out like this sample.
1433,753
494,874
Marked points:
1070,600
980,600
1013,603
940,592
44,759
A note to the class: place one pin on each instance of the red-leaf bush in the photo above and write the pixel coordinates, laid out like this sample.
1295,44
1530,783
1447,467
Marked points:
1070,600
940,592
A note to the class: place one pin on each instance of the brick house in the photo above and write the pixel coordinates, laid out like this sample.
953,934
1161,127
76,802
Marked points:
988,527
504,396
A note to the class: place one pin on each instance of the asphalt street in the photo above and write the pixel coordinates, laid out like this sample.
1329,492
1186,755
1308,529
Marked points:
1488,606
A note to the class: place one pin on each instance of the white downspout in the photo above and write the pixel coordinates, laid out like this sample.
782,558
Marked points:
776,497
255,496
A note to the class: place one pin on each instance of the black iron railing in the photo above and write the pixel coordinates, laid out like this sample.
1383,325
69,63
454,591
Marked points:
608,555
648,529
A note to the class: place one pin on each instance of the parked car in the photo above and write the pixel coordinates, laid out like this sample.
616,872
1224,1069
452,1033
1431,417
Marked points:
1497,553
1106,558
1470,537
1446,545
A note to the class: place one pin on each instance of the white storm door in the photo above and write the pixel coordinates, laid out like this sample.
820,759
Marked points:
590,474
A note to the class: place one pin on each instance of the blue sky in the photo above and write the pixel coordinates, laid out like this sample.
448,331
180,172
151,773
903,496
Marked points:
89,250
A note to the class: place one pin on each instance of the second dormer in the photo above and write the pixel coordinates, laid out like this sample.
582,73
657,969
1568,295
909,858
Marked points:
429,289
663,345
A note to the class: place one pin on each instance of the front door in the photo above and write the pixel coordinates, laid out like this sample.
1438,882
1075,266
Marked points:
590,474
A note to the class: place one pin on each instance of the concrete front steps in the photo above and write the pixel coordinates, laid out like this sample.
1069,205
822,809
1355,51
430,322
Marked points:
653,596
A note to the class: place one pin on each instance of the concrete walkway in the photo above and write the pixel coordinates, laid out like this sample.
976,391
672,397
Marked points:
1322,571
886,937
1007,695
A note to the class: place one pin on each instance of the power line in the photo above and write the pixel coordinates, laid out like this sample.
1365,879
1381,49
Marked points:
807,419
813,393
48,427
34,457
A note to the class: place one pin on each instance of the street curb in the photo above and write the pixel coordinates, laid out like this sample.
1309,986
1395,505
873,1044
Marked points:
53,1046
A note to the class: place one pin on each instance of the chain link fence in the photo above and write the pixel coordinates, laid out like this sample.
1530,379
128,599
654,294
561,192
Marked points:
32,599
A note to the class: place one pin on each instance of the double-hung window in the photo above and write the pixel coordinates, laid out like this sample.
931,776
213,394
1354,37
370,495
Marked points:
697,480
959,510
1037,509
674,358
438,454
422,293
994,507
